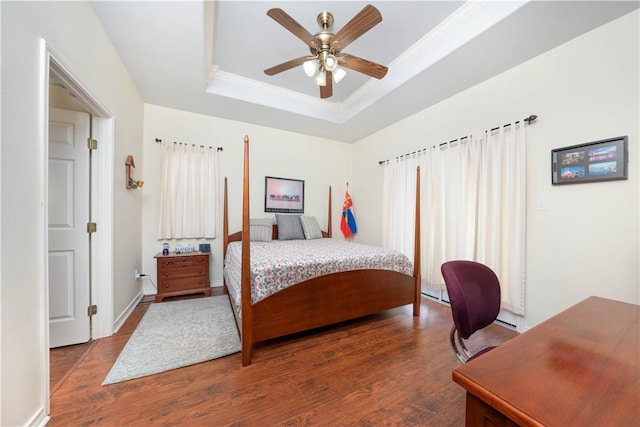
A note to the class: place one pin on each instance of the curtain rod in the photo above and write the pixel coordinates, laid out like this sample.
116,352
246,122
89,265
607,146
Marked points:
158,141
528,120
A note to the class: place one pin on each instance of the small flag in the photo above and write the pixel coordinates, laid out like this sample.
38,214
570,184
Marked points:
348,221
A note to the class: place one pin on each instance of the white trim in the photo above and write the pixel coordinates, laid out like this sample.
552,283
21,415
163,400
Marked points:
127,312
39,419
237,87
505,318
102,268
43,257
102,243
148,287
73,85
102,192
1,382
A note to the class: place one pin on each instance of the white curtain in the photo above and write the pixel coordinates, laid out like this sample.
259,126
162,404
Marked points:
473,195
398,214
189,192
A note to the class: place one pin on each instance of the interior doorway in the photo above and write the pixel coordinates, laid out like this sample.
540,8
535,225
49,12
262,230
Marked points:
57,77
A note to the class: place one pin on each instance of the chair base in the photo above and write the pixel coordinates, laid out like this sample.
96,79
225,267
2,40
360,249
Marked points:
460,349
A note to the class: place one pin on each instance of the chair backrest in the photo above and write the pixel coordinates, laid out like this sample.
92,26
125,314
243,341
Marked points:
474,293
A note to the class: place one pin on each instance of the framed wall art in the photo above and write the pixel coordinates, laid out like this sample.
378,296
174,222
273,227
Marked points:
283,195
602,160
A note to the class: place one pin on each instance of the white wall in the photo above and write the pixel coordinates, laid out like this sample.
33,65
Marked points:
586,242
319,162
73,32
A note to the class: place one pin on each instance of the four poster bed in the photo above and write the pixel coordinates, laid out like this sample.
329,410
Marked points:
313,301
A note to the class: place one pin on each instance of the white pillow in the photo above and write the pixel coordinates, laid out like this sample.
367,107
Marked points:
311,227
261,229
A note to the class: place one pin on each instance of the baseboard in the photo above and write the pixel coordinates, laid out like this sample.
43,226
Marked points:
40,418
506,324
443,301
126,313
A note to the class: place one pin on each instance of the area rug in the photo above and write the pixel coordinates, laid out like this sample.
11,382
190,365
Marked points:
176,334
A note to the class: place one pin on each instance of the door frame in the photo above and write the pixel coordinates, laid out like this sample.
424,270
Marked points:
101,198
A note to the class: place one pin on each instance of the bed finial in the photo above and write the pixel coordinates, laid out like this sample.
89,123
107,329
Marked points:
246,139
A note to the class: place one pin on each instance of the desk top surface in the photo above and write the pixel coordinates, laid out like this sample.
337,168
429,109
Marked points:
581,367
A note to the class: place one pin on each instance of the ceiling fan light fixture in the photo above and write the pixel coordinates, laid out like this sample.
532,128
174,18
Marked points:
310,67
338,74
330,62
326,48
321,78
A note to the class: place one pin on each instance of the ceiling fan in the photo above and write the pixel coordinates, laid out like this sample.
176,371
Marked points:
326,48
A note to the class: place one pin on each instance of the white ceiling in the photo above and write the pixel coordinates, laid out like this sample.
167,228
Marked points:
209,57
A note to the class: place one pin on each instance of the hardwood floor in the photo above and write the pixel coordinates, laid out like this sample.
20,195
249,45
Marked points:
385,369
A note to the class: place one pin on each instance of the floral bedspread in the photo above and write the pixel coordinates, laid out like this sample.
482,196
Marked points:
278,264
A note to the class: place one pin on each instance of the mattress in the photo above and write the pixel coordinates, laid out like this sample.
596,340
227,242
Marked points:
277,264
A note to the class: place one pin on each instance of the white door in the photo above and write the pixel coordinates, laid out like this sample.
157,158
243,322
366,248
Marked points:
69,322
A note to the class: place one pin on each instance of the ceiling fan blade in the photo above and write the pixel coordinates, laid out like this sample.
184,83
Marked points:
285,66
363,66
365,20
282,18
326,91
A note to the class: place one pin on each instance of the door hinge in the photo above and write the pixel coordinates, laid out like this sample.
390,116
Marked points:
92,144
92,310
92,227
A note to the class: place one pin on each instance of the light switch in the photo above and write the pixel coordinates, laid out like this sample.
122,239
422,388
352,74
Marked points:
542,205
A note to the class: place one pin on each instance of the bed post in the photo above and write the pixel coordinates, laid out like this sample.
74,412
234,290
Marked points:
416,248
329,216
246,264
225,232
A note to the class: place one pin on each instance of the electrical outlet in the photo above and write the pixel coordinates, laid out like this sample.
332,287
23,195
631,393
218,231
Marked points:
137,276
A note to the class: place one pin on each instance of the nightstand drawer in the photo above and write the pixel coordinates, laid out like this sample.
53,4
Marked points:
190,283
190,271
183,262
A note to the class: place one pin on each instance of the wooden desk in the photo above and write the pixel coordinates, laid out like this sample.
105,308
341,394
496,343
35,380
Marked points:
579,368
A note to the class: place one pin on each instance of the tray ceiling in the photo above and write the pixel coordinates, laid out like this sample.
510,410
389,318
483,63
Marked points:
209,57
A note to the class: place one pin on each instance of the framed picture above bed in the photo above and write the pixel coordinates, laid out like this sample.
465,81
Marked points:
602,160
283,195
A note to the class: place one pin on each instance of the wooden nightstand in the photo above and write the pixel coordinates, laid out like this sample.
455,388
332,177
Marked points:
182,274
